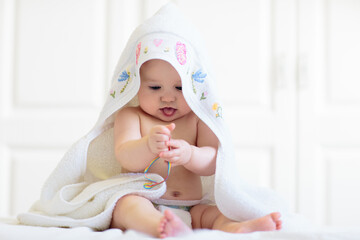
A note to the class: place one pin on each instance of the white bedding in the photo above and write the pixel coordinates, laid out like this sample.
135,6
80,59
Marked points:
9,230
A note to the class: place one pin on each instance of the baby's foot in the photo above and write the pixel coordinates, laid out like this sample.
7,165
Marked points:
269,222
171,225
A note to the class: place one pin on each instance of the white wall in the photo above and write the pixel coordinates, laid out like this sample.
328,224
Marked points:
287,72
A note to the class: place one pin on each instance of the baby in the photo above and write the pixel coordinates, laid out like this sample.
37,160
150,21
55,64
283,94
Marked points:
163,125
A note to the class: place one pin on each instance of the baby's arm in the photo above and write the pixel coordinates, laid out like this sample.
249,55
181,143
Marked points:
200,159
133,151
203,158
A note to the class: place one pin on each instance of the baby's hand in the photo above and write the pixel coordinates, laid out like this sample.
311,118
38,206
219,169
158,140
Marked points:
179,154
158,137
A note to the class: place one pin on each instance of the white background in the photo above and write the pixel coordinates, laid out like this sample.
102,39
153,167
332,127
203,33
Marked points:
288,74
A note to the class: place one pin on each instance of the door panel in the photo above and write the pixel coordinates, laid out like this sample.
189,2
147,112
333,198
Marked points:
329,111
52,88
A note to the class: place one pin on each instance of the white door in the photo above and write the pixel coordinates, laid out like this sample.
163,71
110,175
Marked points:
51,88
329,110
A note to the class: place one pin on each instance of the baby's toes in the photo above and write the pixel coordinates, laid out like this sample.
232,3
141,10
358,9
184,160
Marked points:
161,228
278,225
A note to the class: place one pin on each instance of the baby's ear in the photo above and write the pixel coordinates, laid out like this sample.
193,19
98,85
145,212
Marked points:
171,126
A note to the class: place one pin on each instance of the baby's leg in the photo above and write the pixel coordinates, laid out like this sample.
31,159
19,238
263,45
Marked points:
205,216
137,213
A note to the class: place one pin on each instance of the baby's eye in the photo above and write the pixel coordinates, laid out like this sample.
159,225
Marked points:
179,88
154,87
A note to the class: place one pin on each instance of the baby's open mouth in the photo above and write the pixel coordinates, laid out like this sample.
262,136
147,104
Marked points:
168,111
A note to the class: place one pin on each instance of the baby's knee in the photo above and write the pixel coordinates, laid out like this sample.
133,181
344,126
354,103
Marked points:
127,201
122,207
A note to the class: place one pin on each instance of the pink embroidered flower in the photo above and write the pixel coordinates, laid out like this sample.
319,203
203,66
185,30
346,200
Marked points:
157,42
181,52
204,95
138,48
112,93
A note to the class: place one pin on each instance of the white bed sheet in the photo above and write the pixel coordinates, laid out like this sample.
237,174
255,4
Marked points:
9,230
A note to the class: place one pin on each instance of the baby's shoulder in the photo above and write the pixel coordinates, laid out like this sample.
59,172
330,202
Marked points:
130,113
190,122
193,118
128,110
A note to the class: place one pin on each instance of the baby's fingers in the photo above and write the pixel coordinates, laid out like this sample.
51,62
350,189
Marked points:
161,138
173,143
157,143
169,155
160,129
161,149
171,127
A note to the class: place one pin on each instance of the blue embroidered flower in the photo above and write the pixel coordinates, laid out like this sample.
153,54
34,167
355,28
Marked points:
199,76
124,76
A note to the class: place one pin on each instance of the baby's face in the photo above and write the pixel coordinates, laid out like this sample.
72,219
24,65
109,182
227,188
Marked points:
160,93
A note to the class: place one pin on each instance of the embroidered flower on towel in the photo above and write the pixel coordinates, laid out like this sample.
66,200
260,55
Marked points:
203,95
199,77
181,52
218,110
215,106
112,93
138,48
157,42
124,76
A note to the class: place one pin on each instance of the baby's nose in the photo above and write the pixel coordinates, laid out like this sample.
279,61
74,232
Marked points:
167,98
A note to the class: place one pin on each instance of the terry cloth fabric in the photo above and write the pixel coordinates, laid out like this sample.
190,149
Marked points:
86,184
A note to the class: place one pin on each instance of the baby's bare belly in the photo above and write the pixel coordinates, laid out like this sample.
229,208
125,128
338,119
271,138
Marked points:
189,189
182,185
